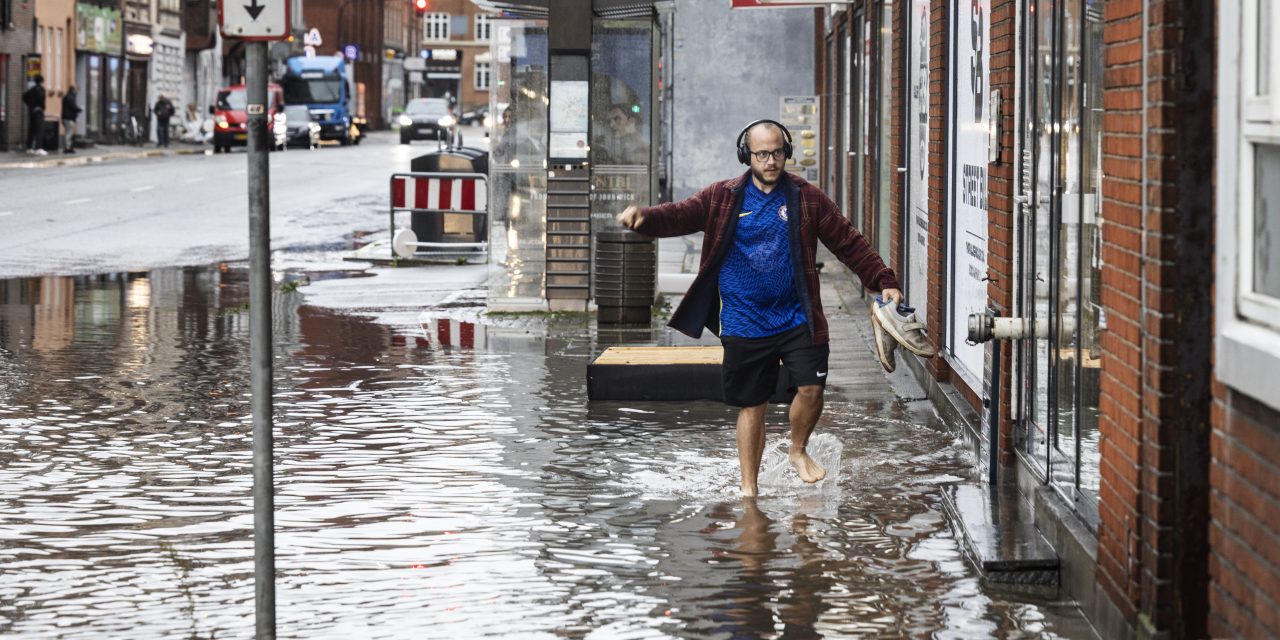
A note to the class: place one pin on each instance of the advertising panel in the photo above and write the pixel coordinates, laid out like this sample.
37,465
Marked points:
916,224
799,114
98,29
967,254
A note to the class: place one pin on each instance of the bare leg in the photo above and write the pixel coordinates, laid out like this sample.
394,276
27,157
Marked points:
750,445
805,410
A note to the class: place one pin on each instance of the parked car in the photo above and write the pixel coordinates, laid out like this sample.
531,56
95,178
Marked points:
428,119
296,127
229,115
474,116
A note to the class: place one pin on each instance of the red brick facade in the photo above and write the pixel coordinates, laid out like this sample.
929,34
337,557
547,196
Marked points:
1000,184
1244,564
1188,506
1158,248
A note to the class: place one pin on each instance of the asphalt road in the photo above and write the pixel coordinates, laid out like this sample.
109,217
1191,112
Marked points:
133,215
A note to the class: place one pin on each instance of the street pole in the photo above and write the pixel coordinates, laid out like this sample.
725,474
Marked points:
260,377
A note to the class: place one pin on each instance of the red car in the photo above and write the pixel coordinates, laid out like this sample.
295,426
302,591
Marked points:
229,116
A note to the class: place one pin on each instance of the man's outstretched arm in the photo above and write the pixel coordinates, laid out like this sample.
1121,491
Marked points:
669,219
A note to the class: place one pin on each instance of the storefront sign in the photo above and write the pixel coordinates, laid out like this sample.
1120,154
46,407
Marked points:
139,44
98,29
917,222
800,115
968,229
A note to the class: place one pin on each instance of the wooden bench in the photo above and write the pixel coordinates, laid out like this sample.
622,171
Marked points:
663,374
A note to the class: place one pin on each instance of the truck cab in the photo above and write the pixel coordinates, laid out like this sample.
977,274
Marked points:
324,85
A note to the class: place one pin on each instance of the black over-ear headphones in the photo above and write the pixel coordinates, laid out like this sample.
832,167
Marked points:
744,154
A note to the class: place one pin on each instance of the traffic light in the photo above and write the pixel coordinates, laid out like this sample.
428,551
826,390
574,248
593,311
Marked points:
421,6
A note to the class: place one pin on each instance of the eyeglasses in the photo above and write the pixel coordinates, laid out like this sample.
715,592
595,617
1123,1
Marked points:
776,154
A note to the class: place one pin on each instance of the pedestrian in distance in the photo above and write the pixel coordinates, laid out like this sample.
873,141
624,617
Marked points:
70,112
33,98
163,110
757,286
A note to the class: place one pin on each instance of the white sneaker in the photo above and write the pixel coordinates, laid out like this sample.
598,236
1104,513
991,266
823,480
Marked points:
41,152
885,344
900,322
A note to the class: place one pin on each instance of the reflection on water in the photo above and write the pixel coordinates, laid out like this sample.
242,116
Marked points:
430,492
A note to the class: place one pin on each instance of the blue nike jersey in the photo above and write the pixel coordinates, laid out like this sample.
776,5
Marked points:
757,291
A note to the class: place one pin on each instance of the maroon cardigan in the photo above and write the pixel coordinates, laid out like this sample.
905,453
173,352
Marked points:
714,210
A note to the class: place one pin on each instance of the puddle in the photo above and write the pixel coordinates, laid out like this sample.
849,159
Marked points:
468,490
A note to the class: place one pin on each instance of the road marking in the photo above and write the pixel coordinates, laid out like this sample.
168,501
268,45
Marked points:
78,201
5,213
194,180
141,189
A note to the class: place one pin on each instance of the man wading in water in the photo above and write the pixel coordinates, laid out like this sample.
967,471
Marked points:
757,286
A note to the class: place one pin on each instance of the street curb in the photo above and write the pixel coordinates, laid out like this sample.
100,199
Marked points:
83,160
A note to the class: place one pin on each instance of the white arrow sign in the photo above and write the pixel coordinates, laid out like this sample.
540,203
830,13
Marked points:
254,19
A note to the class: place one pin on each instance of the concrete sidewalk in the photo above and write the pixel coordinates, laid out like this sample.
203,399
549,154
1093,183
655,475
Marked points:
96,153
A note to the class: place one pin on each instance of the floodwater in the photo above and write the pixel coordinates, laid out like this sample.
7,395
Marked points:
426,491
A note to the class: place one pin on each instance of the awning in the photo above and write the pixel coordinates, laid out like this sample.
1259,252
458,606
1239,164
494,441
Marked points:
538,8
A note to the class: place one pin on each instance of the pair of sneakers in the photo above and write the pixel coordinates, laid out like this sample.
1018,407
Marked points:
897,325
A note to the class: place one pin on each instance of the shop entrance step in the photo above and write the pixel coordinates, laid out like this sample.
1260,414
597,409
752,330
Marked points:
1005,546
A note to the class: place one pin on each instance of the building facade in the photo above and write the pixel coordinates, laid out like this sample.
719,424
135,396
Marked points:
1061,161
17,44
455,38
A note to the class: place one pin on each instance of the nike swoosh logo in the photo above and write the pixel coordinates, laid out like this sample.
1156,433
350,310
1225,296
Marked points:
822,374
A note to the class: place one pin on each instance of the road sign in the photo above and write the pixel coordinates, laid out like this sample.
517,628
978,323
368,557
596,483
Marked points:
254,19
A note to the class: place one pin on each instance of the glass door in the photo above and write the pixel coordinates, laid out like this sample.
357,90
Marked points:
1061,238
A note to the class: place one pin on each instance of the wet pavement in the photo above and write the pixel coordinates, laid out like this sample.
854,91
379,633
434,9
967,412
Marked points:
426,490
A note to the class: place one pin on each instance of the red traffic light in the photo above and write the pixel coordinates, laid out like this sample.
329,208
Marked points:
421,6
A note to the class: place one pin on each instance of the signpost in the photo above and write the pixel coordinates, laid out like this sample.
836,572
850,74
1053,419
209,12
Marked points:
254,19
259,21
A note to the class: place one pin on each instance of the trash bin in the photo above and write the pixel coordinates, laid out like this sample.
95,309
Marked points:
429,226
626,267
50,138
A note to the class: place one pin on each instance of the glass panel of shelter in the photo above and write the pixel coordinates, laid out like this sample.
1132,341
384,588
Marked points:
621,120
518,173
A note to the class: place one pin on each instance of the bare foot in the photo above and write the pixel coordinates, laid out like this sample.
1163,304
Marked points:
806,468
749,491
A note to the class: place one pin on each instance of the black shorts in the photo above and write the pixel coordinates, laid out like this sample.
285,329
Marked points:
750,365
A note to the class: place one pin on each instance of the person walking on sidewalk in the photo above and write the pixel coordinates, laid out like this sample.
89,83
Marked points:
33,98
163,110
70,112
757,286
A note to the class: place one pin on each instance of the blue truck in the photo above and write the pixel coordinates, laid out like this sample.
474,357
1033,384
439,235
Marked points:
324,85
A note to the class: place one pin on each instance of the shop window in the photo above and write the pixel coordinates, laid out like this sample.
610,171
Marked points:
482,76
1248,275
435,26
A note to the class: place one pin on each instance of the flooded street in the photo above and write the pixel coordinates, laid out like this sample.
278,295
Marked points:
426,491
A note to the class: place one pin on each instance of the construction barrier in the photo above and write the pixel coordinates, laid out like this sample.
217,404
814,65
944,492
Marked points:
466,195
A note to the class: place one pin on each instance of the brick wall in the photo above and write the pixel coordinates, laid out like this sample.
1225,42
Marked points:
938,53
17,42
1157,276
1000,191
901,11
1244,564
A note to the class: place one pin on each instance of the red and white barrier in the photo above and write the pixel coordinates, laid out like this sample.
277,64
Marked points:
448,332
465,195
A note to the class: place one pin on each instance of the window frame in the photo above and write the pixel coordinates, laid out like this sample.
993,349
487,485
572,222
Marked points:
437,19
483,20
488,76
1247,344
